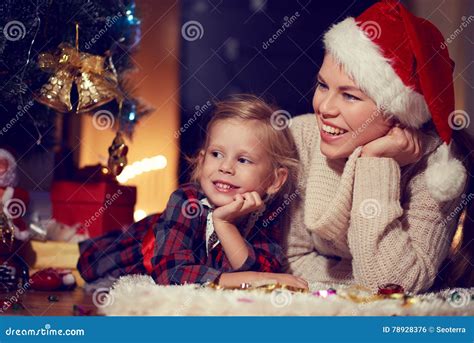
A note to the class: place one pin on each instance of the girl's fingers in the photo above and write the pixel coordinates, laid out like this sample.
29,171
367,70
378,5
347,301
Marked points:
238,202
294,281
303,284
249,202
258,200
239,198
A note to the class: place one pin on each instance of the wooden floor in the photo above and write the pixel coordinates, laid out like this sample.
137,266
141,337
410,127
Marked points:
36,303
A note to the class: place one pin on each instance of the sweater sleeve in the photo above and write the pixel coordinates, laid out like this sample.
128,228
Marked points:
392,240
303,259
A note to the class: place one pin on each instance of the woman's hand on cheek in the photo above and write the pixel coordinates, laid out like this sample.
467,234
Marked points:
240,206
401,144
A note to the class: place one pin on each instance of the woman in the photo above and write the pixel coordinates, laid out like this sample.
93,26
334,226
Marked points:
378,181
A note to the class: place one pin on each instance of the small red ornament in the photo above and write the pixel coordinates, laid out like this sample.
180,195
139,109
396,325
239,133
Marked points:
52,279
46,280
390,288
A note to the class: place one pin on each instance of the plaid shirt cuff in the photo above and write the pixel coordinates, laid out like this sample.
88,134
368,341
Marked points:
250,261
212,275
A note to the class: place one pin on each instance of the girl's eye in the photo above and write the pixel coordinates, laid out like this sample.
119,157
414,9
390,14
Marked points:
244,160
216,154
350,97
321,86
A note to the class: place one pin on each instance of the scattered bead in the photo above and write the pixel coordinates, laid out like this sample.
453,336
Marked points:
18,306
53,298
324,293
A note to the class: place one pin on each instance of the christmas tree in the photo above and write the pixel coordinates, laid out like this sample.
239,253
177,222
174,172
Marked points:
83,46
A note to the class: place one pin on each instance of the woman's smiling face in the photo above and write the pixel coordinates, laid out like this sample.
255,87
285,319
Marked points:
347,118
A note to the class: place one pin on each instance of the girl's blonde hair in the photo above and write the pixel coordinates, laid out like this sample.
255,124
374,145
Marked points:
276,135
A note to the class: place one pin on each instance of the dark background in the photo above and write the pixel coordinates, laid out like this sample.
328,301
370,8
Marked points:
230,57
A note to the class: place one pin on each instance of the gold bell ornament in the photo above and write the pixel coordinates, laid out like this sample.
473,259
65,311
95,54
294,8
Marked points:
56,93
96,86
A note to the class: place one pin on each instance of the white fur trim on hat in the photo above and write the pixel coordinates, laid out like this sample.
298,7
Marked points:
364,62
445,175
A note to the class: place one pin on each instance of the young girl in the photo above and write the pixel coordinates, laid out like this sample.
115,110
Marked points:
213,228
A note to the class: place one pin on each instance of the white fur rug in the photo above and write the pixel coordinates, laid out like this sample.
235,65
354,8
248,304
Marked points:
138,295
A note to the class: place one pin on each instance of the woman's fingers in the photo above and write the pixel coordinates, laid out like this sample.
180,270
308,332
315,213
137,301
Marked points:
400,138
417,148
414,152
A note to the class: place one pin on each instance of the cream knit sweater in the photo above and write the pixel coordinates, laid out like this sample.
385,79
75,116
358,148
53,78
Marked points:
365,220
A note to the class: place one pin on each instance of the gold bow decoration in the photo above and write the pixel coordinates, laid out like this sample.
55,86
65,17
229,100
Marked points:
96,85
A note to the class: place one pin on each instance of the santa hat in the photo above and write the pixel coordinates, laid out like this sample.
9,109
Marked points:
402,63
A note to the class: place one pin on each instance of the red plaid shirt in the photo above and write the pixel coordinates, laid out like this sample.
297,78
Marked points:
179,242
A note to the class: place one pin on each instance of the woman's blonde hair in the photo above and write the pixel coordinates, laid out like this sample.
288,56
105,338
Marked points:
276,135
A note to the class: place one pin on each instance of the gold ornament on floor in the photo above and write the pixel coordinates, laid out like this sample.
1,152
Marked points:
7,229
267,287
96,86
117,155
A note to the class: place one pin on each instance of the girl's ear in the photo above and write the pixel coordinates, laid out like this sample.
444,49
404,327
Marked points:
281,175
200,161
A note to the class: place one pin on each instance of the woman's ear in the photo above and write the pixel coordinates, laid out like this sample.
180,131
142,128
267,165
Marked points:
281,175
389,118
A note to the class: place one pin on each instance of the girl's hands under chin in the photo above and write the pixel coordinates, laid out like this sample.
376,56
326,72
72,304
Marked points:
240,206
401,144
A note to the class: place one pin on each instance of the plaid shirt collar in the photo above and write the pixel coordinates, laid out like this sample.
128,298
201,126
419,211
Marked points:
206,203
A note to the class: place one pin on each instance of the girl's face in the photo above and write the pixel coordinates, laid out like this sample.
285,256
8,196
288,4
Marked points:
347,118
235,161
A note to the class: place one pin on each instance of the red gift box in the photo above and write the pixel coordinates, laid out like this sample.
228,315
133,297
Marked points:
100,207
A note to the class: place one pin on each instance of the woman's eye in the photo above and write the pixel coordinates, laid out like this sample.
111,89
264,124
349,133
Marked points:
351,97
244,160
321,86
216,154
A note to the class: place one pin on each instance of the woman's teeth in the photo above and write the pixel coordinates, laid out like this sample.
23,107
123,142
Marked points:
333,130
